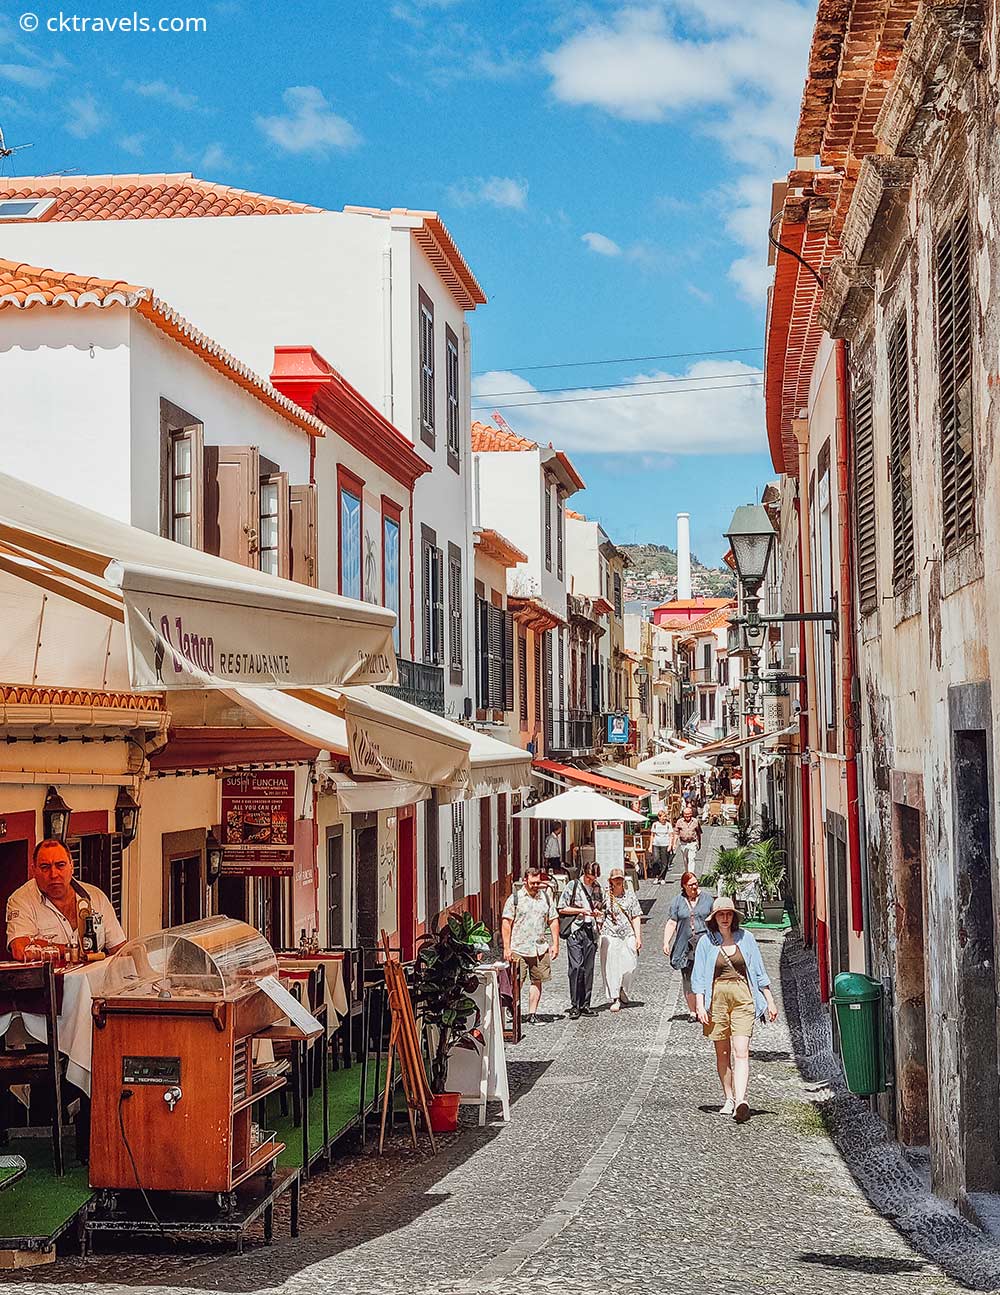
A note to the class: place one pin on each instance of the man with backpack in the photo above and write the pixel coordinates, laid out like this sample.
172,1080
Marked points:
529,915
580,917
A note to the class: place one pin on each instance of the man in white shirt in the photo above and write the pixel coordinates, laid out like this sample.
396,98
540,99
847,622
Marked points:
45,909
553,851
662,839
529,916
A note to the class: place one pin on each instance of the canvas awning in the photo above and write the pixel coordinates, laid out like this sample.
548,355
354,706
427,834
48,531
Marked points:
741,743
361,796
191,620
581,805
589,779
624,773
497,768
382,736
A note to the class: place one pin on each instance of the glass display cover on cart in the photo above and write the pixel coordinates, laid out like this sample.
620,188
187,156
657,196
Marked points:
216,957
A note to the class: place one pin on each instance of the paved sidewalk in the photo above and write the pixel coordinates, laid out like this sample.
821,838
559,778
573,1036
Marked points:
616,1174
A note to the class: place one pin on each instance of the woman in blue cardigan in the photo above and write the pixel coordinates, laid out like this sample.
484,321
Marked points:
729,976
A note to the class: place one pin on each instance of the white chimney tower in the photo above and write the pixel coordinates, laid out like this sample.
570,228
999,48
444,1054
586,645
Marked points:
683,557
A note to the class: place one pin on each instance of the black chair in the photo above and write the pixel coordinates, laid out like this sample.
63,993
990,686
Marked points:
32,989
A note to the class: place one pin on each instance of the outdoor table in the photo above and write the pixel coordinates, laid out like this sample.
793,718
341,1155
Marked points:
480,1074
79,985
292,967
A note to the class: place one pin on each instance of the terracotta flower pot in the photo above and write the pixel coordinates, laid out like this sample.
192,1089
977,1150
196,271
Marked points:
444,1112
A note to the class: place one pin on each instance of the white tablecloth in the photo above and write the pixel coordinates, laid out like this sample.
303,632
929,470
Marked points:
76,1026
336,992
480,1075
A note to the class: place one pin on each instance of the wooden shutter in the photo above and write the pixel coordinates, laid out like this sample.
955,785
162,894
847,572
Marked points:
560,528
232,485
954,337
522,670
548,685
562,667
900,461
508,660
496,658
866,538
428,601
548,527
437,595
538,680
303,563
426,335
455,653
482,653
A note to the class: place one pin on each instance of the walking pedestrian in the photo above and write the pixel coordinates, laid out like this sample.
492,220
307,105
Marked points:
529,917
621,940
553,848
686,924
729,976
662,842
687,835
581,915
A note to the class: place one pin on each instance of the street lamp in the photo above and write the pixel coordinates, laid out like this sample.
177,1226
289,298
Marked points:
126,816
751,538
55,816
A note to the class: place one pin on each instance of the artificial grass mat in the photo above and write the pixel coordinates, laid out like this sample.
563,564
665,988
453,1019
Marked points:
344,1105
40,1204
783,925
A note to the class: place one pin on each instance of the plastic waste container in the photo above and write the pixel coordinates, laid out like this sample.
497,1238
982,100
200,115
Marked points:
859,1005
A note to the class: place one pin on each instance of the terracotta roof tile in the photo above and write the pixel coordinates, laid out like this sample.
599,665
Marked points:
144,197
713,621
487,439
577,517
23,287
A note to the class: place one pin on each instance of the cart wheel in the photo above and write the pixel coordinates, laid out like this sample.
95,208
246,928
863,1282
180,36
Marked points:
226,1202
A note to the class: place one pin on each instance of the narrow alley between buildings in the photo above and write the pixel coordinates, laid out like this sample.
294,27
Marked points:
616,1173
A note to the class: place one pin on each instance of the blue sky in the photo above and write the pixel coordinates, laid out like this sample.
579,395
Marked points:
605,169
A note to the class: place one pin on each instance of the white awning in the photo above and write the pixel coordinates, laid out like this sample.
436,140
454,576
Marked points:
497,767
624,773
191,620
362,797
382,736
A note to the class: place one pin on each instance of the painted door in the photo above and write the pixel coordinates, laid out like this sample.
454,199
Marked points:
407,916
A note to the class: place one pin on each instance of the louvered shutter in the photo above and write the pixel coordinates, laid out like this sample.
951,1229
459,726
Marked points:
538,680
866,542
954,335
455,614
437,587
114,891
548,686
428,603
548,527
522,670
900,462
508,660
496,658
482,653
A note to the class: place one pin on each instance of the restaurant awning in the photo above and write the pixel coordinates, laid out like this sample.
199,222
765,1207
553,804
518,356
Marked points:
741,743
363,796
673,764
497,767
191,620
589,779
623,773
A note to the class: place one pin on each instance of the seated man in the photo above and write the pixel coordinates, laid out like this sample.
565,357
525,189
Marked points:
44,909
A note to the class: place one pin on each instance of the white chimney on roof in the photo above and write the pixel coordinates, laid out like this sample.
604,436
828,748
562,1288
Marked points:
683,556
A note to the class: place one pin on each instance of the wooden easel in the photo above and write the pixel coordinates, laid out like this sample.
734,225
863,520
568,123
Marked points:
404,1041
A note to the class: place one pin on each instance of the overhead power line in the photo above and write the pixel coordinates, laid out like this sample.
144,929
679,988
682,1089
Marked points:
625,395
643,382
624,359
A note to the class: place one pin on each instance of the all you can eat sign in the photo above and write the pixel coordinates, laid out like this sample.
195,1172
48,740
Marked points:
258,823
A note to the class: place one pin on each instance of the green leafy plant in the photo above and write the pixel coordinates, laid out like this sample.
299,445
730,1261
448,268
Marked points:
730,865
768,860
746,833
444,982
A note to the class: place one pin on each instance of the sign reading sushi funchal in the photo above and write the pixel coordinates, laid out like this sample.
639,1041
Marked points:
258,823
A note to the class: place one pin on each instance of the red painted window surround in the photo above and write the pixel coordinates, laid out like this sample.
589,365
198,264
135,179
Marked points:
89,822
346,480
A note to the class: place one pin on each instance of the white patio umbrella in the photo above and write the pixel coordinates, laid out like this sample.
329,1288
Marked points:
581,805
672,764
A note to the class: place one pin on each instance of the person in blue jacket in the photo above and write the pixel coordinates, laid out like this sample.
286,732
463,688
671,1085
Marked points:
732,992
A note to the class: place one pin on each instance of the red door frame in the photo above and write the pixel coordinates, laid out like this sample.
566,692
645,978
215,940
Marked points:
406,840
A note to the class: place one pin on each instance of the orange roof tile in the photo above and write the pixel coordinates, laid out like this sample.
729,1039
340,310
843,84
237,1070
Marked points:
494,545
677,604
487,439
31,695
577,517
432,237
143,197
23,287
713,621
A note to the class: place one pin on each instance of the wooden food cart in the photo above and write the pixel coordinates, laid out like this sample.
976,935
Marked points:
176,1087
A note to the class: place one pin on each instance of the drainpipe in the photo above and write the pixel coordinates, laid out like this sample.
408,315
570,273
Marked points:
847,641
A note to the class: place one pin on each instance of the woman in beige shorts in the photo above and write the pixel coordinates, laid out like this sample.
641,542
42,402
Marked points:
730,977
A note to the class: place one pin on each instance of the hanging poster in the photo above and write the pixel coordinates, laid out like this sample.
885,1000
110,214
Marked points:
258,823
609,847
618,729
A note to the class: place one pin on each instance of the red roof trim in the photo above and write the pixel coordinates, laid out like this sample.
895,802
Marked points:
591,779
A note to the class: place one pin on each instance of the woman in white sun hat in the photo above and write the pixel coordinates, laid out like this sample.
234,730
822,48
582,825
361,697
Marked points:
621,939
732,992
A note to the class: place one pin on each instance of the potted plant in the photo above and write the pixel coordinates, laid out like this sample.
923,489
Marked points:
768,860
444,982
731,864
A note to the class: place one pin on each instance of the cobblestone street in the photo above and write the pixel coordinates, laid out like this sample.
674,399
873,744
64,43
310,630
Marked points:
616,1174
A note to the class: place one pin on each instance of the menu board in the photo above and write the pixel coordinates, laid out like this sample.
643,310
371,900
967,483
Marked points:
258,823
609,847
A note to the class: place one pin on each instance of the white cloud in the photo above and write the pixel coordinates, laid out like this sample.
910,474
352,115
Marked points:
601,244
310,125
735,69
495,190
215,158
710,408
163,93
135,145
84,117
33,78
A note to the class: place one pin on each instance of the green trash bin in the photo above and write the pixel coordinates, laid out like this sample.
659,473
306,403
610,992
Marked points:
858,1002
